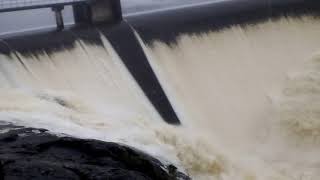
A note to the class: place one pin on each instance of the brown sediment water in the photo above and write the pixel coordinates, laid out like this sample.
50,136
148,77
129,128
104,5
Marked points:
253,88
247,96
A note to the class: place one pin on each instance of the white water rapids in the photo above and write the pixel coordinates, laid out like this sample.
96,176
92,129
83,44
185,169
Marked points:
248,98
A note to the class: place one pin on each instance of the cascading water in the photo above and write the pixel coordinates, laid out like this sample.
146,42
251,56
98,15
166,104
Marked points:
236,86
247,98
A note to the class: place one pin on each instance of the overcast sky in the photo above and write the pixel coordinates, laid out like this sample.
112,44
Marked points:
33,19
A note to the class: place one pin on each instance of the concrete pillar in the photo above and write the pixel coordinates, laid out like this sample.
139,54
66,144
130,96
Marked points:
98,12
59,18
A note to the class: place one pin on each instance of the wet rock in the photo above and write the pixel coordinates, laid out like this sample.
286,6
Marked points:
28,153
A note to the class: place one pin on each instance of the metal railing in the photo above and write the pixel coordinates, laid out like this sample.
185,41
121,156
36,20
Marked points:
15,5
84,11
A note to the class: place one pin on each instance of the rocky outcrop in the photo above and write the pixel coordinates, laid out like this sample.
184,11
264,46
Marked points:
28,153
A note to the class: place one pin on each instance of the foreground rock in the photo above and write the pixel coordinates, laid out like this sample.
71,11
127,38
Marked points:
27,153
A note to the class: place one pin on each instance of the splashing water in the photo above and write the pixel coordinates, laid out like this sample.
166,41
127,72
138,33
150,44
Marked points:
235,85
247,97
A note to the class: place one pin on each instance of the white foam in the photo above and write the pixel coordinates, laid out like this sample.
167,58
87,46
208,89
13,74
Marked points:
226,84
231,89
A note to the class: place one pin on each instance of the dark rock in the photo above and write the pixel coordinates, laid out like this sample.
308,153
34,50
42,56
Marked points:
28,153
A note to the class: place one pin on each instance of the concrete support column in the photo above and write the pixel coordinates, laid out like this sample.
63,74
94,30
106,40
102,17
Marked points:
97,12
59,18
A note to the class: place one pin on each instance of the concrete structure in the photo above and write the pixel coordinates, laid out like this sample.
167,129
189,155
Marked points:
85,11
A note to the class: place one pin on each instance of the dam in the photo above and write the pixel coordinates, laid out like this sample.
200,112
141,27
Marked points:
221,90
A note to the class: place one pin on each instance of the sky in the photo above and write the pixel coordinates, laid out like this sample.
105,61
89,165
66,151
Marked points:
34,19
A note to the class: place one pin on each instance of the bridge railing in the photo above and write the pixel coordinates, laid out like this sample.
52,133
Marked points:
85,11
16,5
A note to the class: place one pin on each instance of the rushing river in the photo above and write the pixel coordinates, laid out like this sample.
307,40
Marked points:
248,98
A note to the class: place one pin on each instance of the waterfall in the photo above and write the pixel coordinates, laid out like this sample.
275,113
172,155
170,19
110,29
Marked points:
247,97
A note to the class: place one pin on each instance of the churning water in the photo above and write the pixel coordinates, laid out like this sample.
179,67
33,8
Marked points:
248,98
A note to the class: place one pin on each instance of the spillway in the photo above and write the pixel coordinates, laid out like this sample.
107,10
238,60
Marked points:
253,87
243,80
91,95
51,79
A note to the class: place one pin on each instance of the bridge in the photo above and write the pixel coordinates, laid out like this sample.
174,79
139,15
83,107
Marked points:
85,11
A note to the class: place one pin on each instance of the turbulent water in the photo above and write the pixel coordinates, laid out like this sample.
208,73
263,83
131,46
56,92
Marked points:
248,98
